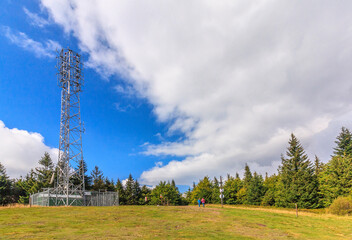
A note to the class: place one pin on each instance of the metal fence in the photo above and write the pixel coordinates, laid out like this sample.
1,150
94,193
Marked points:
49,197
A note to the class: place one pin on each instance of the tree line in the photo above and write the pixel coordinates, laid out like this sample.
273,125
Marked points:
298,181
309,184
130,193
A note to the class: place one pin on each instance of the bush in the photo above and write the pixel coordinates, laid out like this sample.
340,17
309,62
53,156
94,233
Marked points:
341,206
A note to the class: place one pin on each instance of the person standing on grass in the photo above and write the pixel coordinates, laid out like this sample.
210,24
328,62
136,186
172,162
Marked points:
203,201
199,202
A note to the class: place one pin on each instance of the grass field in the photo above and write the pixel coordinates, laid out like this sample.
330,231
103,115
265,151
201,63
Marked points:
153,222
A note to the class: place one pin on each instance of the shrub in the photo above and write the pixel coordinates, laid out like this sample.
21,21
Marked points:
341,206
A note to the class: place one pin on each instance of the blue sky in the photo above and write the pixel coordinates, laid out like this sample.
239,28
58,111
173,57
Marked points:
117,125
177,90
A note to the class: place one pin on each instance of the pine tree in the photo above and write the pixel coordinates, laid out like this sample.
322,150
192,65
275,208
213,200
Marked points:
298,184
121,192
5,187
318,166
26,186
129,190
231,188
270,185
242,193
215,192
247,176
45,171
256,190
109,185
145,193
87,179
98,179
237,175
344,143
336,179
136,193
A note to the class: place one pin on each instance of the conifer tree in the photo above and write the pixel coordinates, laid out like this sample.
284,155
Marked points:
145,193
109,185
98,179
336,179
5,186
318,166
45,171
136,193
247,176
129,190
270,185
87,179
343,143
26,186
256,190
121,192
298,184
231,188
215,192
242,193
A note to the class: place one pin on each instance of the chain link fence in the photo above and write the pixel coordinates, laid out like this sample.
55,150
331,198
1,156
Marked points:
49,197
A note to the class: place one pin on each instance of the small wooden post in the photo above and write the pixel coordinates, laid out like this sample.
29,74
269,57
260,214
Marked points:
296,210
221,193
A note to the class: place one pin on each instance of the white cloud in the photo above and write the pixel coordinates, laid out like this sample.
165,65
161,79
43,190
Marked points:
121,108
21,150
236,78
35,19
46,49
125,90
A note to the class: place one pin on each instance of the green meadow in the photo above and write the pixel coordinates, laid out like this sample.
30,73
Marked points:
168,222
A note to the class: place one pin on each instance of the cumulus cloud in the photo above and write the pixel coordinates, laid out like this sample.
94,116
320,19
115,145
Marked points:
236,78
46,49
21,150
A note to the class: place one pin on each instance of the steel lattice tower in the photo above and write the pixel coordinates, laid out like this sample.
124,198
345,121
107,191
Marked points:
70,175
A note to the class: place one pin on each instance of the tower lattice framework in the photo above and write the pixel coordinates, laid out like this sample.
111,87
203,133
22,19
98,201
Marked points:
70,173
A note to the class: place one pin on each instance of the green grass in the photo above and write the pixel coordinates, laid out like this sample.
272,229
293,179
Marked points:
152,222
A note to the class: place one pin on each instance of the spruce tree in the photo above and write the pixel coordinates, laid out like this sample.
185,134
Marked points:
242,193
215,192
26,186
256,190
87,179
109,185
5,186
231,188
136,193
45,171
247,176
298,184
336,179
318,166
270,185
98,179
129,190
343,143
121,192
145,193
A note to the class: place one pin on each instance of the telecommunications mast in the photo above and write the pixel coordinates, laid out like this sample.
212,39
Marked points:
70,173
